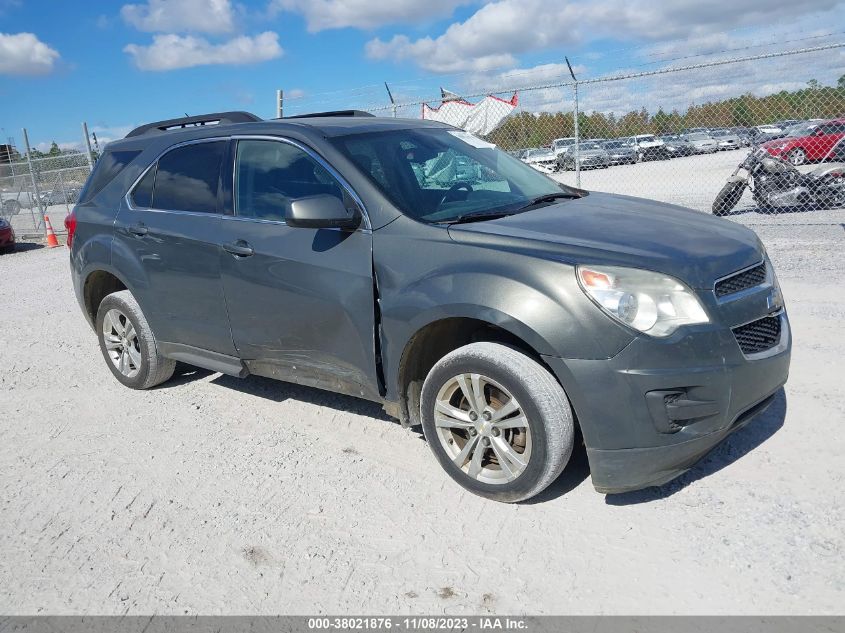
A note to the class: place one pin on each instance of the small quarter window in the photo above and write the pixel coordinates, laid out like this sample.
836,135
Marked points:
142,195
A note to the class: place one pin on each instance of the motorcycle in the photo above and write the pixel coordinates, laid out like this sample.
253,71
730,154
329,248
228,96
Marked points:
776,184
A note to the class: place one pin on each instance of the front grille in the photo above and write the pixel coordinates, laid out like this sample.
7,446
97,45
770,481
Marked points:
740,281
759,335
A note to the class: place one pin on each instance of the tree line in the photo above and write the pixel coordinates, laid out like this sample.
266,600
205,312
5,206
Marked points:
528,129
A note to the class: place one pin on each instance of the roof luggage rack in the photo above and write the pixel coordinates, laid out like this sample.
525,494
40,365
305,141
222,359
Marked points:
215,118
332,113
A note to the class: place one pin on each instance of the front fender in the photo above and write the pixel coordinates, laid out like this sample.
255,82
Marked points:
536,299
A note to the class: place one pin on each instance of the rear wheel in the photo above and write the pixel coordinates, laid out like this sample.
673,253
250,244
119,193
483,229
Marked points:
497,421
128,343
797,156
728,197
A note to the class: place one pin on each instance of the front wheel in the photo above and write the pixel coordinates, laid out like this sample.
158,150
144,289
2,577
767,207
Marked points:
128,344
497,421
728,197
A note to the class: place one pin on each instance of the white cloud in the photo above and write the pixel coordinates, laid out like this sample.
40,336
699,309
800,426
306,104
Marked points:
168,52
176,16
498,31
25,54
365,14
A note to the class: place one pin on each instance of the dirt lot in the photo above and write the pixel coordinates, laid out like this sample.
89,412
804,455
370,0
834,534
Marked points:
218,495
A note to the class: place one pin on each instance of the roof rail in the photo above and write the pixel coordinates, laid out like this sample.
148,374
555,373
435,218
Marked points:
332,113
194,121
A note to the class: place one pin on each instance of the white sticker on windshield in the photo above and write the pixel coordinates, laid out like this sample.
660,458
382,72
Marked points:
471,139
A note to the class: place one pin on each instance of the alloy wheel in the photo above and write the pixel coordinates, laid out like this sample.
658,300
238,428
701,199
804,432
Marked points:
122,344
483,429
797,157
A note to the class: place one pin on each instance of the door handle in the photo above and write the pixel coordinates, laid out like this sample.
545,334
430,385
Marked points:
139,229
239,248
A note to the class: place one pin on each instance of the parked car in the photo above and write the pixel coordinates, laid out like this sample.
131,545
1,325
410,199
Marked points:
15,201
68,195
701,143
540,157
7,236
815,144
308,250
620,152
726,140
676,145
590,155
650,147
561,145
764,133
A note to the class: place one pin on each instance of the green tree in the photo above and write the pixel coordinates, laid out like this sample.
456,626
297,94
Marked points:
841,83
54,149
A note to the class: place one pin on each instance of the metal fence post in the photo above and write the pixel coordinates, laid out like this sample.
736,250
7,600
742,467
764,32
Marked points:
280,103
35,190
577,148
89,154
392,102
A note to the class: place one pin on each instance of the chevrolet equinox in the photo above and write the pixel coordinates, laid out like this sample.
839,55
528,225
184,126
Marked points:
415,265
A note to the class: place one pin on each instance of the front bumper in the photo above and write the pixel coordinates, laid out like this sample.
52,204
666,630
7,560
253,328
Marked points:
630,443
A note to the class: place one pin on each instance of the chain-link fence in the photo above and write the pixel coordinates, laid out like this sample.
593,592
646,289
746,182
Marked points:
675,134
34,185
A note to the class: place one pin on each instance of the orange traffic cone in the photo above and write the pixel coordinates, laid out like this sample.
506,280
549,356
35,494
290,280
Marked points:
52,242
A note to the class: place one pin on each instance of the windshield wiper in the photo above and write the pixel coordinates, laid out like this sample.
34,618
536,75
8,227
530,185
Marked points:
478,216
549,197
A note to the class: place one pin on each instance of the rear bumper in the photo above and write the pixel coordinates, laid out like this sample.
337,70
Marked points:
648,414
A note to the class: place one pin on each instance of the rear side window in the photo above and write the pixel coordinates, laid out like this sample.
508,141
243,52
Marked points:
187,178
108,166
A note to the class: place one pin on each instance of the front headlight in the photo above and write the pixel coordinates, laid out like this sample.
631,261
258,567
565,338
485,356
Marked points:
652,303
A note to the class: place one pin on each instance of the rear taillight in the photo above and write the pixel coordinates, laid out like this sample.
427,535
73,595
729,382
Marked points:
70,225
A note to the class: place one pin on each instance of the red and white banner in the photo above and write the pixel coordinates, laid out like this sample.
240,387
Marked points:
477,118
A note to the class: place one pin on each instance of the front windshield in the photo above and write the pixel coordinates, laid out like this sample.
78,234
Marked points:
589,147
697,137
614,145
439,174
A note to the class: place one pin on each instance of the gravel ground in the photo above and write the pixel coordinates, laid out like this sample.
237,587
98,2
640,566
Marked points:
216,495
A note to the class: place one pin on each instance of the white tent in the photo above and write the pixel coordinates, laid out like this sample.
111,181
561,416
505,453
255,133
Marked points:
478,118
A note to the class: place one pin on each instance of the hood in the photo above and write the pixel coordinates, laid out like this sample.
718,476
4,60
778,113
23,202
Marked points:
695,247
592,152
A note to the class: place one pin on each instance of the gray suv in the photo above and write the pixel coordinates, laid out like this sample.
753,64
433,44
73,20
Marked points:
508,315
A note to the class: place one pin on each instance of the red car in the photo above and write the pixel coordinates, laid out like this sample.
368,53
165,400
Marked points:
7,237
807,142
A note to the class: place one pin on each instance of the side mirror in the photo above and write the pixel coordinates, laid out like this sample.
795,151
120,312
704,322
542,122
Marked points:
322,212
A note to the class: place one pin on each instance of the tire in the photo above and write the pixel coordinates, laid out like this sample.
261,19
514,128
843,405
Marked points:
728,198
12,207
138,364
797,157
508,378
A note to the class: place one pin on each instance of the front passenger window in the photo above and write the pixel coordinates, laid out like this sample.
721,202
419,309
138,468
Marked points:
271,174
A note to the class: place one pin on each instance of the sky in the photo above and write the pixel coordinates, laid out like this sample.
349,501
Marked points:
117,64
